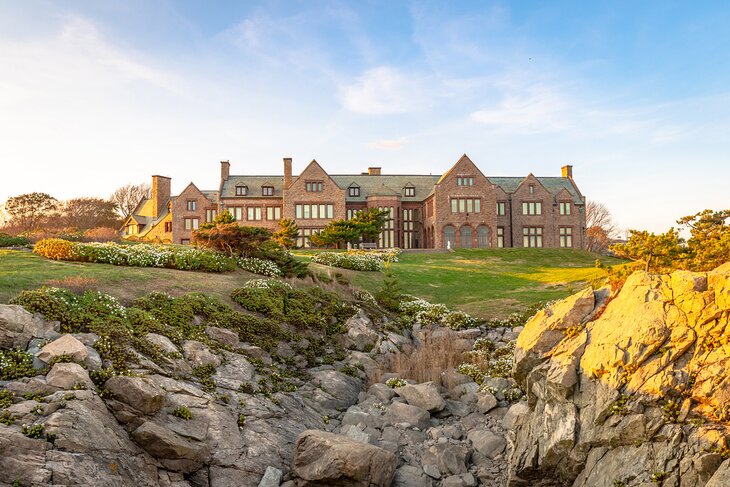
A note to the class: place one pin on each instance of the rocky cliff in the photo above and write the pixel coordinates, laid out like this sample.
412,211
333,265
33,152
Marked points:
629,388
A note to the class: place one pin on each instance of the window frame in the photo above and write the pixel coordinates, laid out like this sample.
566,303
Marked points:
242,190
353,191
191,205
409,191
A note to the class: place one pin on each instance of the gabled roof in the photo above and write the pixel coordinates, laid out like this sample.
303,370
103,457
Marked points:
387,184
553,184
254,183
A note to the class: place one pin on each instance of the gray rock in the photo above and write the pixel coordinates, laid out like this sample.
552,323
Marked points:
486,442
432,471
18,327
93,359
199,354
322,458
450,378
68,375
516,411
382,392
139,393
271,478
486,402
343,388
222,335
405,413
721,477
66,345
162,342
173,451
361,333
255,352
235,371
425,396
410,476
450,459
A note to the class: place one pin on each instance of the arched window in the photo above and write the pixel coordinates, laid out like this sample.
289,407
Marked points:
449,237
465,237
482,237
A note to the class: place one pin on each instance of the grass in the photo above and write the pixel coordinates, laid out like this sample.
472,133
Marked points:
487,284
490,283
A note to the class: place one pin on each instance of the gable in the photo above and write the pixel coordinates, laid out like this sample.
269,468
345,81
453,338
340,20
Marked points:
464,166
314,172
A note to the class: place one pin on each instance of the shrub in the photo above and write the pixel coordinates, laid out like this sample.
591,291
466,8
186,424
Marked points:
15,364
458,320
394,382
101,234
13,241
6,418
32,431
356,262
259,266
6,398
56,249
182,412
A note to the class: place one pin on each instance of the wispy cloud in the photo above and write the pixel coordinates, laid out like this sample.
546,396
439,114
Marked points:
387,144
385,91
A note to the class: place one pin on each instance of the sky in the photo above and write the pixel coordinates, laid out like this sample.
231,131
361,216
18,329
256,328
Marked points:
635,95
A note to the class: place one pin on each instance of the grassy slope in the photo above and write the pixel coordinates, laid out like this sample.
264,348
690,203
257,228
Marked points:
484,283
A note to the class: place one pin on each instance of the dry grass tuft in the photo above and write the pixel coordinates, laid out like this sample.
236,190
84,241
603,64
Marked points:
77,284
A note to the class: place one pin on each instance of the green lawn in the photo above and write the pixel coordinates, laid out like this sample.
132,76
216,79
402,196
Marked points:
485,283
490,283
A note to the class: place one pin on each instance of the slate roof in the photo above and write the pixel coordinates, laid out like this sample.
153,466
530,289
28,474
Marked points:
388,185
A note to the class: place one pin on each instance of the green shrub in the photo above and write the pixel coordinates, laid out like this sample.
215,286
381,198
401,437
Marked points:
6,418
394,382
11,241
458,320
6,398
33,431
16,363
182,412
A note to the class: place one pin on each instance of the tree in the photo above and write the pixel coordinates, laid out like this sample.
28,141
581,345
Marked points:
370,222
128,197
287,234
86,213
29,211
229,237
365,225
709,244
657,252
600,228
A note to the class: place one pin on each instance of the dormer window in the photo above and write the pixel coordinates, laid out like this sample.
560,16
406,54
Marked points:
353,191
241,190
314,186
267,191
465,181
409,191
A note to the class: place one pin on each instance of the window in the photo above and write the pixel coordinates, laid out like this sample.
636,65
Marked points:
565,208
191,223
254,213
267,191
532,208
465,237
210,215
482,237
241,190
168,227
304,234
236,212
314,212
354,191
192,205
410,229
185,241
466,205
500,237
532,189
132,229
532,236
409,191
566,236
501,208
273,213
314,186
449,237
465,181
387,236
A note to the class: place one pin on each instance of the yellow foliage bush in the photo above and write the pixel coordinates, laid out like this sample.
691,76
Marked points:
55,248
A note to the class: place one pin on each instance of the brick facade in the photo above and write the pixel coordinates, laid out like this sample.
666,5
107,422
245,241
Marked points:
464,208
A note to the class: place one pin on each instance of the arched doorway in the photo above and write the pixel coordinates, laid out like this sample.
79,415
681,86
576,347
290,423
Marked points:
482,237
465,235
449,237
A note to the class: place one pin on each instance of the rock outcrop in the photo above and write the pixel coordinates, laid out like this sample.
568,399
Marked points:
631,389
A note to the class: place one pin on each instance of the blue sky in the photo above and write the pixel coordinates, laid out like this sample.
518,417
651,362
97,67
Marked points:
634,94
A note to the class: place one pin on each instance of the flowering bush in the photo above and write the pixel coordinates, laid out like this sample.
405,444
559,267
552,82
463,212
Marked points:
15,364
458,320
384,255
363,296
266,284
56,249
142,255
394,382
259,266
417,310
356,262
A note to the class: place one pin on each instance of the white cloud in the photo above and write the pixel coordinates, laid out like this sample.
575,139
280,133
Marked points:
383,91
388,144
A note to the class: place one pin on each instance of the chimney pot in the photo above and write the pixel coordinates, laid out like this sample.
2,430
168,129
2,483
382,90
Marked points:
567,171
374,171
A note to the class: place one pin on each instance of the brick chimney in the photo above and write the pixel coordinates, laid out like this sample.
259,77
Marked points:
160,194
567,171
287,172
225,170
374,171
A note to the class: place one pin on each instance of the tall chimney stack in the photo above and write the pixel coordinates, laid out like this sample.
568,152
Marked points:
374,171
225,170
567,171
287,172
160,194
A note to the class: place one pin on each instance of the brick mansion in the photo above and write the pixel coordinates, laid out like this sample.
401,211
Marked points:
463,208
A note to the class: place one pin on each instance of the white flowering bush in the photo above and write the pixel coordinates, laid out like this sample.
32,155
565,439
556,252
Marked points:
384,255
394,382
259,266
141,255
458,320
363,296
266,284
356,262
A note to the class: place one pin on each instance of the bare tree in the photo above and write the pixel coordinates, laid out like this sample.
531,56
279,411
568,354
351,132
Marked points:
127,197
85,213
600,228
29,211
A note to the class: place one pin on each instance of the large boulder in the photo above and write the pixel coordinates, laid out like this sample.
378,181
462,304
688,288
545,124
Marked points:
139,393
172,450
66,345
68,376
361,333
399,412
425,396
199,354
322,458
18,327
